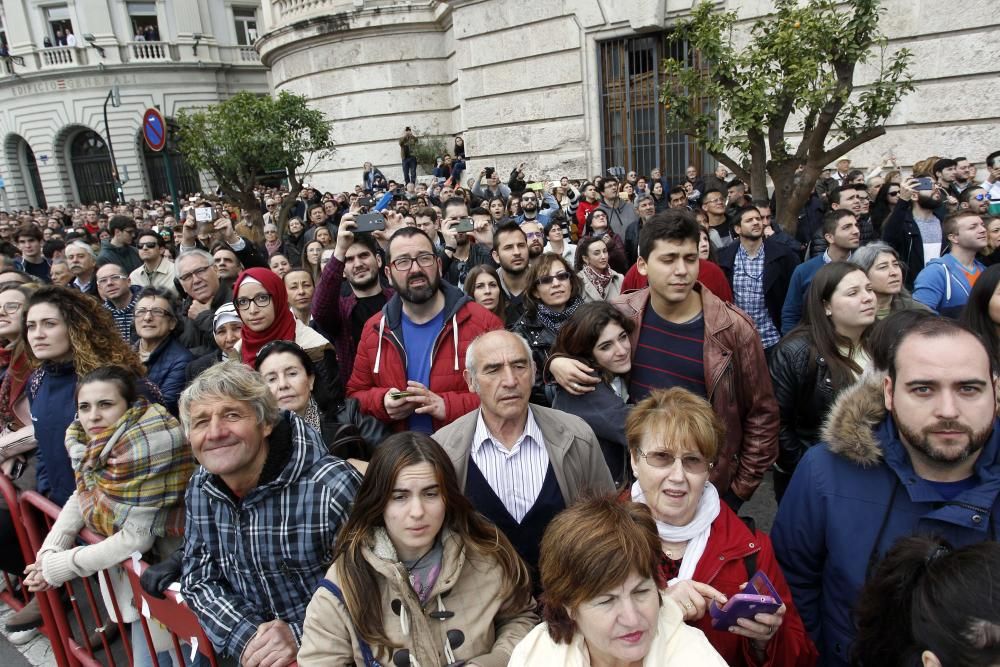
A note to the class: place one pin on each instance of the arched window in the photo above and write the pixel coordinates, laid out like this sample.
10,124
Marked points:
92,173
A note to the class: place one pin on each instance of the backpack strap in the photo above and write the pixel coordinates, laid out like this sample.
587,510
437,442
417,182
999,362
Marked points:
366,650
750,560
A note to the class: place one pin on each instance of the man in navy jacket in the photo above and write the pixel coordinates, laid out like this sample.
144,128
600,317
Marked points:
914,452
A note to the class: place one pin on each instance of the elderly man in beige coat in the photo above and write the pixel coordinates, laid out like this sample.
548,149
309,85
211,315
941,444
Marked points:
519,464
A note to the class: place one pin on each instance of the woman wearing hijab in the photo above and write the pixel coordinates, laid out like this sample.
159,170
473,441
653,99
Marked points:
261,302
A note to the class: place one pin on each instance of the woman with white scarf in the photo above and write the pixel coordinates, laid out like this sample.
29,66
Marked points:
708,552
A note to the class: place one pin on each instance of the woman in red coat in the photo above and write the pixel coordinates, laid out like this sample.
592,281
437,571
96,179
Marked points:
708,552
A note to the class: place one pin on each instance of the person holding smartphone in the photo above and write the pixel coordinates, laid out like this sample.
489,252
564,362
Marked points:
913,228
709,553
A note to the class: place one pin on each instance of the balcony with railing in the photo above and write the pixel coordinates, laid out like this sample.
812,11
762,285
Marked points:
149,52
62,56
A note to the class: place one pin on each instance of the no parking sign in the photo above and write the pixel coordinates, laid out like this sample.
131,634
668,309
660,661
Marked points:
154,130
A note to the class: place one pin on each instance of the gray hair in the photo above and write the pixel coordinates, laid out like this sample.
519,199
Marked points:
85,246
471,363
234,380
195,252
865,256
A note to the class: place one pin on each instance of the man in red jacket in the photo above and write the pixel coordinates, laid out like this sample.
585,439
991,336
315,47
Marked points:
408,370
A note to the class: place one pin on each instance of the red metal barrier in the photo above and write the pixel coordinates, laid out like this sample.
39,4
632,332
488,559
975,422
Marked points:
14,595
178,618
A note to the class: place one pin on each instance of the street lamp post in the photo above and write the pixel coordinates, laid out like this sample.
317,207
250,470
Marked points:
115,98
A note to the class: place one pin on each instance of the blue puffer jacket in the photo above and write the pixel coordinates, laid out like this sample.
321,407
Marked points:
851,498
166,368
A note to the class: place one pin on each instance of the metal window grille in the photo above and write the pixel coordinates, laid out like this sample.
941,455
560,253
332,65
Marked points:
635,135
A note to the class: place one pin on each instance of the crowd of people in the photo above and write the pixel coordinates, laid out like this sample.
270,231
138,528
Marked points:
516,422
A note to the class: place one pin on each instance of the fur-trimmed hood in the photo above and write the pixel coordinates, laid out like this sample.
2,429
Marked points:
849,429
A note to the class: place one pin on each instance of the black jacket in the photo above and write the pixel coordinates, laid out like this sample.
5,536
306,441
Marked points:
901,232
804,391
779,264
540,340
348,412
605,412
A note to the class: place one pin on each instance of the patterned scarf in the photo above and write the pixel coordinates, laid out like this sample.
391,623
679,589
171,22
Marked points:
553,320
134,472
272,246
599,280
311,415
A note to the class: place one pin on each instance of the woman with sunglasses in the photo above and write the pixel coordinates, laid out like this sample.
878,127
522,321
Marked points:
261,301
166,359
553,295
418,576
708,552
885,200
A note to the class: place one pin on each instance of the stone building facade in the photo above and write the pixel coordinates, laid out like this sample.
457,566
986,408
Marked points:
569,85
169,54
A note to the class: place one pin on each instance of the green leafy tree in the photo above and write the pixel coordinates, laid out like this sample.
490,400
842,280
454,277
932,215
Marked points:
793,73
247,136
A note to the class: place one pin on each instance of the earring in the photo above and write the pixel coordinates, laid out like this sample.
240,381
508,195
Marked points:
828,313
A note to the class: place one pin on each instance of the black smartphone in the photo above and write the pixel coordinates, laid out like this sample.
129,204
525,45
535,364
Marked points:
369,222
366,202
925,183
464,225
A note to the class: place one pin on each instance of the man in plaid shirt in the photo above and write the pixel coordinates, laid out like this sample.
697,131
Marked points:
262,513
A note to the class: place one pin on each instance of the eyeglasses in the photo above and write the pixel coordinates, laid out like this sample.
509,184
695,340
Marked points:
196,273
424,259
981,196
11,308
149,245
261,301
155,312
111,279
562,277
533,235
709,202
690,462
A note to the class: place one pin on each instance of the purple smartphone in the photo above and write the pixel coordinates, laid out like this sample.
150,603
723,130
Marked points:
759,597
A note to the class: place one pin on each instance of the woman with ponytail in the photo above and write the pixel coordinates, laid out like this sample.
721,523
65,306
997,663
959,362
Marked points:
931,605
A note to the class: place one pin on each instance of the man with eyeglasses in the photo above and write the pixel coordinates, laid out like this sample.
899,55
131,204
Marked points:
974,199
530,210
156,270
199,279
714,205
120,297
118,249
407,372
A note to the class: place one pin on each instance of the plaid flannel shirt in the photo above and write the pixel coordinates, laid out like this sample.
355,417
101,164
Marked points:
261,559
748,292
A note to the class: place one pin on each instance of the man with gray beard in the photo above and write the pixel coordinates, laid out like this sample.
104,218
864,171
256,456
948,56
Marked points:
913,451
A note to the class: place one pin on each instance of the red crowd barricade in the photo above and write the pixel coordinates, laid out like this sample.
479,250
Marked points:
14,595
178,619
76,620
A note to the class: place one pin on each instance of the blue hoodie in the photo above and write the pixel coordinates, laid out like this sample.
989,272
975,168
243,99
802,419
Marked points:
943,286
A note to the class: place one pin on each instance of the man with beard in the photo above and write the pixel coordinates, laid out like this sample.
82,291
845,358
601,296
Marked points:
945,283
339,316
759,271
530,211
461,252
913,451
535,235
411,355
913,230
510,251
620,211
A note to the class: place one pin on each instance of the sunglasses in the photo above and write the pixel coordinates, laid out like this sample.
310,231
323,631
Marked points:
562,277
981,197
148,245
893,193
